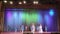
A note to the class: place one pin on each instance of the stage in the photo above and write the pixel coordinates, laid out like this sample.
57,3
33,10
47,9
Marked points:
25,33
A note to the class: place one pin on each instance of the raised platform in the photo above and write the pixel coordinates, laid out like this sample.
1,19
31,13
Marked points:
25,33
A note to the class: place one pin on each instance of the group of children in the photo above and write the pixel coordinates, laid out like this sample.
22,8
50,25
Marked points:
33,28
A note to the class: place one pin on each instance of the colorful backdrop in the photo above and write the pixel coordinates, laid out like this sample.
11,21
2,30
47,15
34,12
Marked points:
16,17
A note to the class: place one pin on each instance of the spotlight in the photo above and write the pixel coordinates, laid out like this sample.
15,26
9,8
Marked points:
20,2
35,2
24,2
11,2
51,12
5,1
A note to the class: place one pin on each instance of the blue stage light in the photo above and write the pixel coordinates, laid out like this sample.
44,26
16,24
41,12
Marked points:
51,12
39,18
47,18
15,14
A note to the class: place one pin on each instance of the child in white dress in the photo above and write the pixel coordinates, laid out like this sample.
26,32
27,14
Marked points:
40,28
33,28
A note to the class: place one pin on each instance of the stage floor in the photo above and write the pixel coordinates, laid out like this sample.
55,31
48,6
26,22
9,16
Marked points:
25,33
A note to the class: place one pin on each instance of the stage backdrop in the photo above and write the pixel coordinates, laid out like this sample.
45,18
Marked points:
16,17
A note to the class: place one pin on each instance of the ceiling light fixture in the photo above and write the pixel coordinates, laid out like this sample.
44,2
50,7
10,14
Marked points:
20,2
11,2
5,1
24,2
35,2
